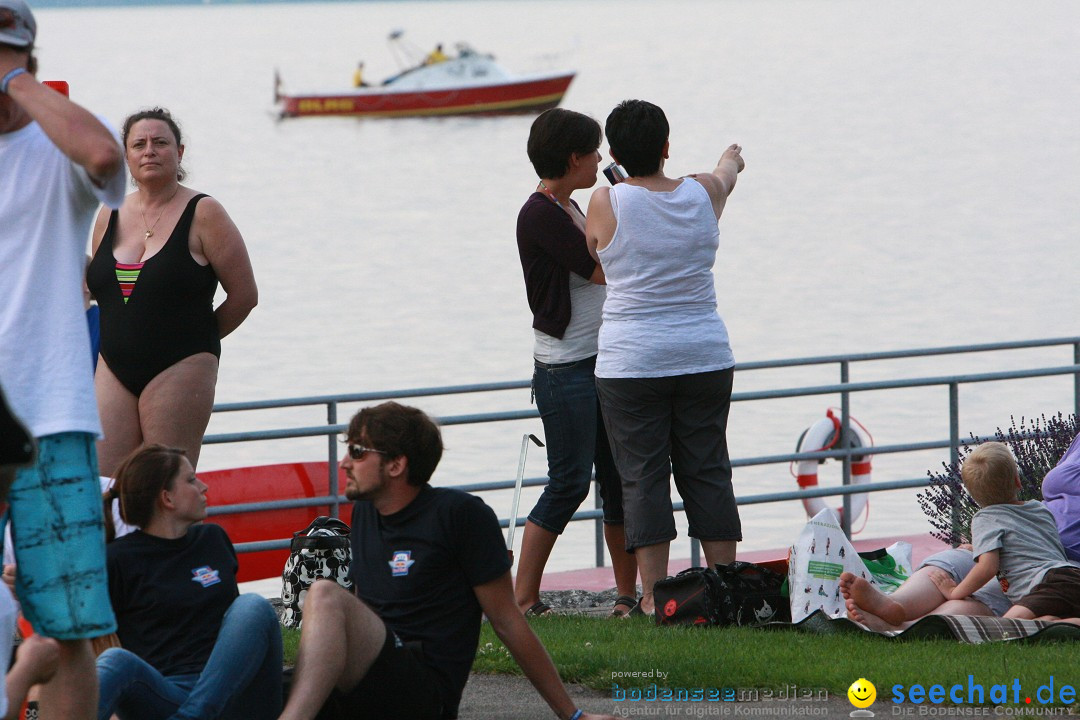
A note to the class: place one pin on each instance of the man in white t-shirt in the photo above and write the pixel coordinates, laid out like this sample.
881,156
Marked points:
58,163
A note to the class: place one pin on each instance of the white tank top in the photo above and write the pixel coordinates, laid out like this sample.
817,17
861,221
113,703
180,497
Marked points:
660,315
579,340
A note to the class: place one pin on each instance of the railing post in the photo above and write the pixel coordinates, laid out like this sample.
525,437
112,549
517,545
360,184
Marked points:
954,441
331,465
598,526
695,553
845,426
1076,380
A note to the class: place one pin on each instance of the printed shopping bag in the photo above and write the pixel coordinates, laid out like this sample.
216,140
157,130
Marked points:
822,552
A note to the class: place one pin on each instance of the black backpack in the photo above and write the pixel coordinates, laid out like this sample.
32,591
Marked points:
751,595
741,593
690,598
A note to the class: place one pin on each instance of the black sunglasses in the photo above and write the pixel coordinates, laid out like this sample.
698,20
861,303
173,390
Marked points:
357,452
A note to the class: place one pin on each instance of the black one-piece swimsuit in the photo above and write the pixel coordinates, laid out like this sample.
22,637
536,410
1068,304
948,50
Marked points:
169,314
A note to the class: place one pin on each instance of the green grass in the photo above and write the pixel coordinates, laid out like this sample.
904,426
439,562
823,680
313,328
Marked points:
290,641
589,650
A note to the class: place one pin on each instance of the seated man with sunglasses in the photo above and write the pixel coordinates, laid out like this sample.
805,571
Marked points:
426,563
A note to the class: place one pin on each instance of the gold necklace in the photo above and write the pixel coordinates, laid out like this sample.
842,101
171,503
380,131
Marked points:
150,228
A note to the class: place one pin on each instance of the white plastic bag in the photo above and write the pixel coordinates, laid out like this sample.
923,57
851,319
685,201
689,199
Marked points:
817,558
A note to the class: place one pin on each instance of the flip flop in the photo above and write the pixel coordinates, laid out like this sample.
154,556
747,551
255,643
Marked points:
626,601
539,609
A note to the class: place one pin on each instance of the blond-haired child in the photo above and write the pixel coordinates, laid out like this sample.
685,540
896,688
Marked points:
1017,541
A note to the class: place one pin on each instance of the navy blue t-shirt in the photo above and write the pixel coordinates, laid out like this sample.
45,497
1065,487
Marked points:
417,568
170,596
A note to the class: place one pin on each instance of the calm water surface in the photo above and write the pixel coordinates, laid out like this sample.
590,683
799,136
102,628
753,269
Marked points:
911,179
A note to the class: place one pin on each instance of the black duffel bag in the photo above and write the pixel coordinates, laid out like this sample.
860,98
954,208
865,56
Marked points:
741,593
689,598
750,594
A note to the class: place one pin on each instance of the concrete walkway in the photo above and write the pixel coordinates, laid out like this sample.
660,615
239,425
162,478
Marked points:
509,697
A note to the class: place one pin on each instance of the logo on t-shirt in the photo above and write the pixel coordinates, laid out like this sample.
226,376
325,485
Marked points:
206,576
401,563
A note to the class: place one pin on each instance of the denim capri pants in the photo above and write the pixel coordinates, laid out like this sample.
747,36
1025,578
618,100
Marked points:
576,441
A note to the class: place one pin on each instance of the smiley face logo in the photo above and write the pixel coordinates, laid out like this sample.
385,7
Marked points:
862,693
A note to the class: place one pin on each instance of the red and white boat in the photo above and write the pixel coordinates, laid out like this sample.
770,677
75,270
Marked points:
469,83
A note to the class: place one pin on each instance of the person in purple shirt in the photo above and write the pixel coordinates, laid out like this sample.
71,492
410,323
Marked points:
1061,494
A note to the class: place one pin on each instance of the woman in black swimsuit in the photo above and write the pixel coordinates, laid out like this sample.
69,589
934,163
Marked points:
157,262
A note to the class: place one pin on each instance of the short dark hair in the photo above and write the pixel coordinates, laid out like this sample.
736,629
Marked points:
156,113
141,477
556,135
399,430
636,131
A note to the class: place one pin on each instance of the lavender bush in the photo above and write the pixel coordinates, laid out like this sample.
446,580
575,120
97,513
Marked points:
1037,449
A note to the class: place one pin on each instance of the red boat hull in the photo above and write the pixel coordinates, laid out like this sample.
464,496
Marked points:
266,483
526,96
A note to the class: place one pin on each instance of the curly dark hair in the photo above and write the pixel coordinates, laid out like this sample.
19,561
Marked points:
399,430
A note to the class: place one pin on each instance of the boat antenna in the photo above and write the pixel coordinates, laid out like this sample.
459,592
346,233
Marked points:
405,54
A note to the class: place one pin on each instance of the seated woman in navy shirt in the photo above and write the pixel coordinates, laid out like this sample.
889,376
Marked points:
193,647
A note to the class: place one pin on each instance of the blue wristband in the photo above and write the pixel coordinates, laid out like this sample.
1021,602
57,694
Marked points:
8,78
577,714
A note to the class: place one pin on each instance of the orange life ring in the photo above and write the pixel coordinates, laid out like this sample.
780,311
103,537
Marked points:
825,435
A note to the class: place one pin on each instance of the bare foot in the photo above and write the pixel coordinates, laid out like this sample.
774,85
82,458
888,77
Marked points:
863,596
868,619
40,656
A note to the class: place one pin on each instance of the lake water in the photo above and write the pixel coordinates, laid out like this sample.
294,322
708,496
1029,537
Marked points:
911,181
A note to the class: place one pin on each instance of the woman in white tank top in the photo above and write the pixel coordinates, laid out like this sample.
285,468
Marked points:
665,365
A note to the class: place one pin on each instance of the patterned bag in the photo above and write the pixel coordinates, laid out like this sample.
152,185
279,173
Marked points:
321,550
751,595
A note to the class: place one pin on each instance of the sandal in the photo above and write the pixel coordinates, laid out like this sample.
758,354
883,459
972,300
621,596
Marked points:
539,609
626,601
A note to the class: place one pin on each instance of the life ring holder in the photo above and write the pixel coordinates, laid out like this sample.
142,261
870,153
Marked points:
825,435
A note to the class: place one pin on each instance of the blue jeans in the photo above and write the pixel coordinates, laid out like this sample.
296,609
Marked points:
576,440
242,678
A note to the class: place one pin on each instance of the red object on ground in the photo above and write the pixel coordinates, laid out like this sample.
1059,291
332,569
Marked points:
266,483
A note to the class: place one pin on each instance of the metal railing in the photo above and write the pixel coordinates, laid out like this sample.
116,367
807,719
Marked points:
844,389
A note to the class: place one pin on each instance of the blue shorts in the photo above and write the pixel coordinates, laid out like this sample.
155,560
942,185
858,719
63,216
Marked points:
958,563
59,538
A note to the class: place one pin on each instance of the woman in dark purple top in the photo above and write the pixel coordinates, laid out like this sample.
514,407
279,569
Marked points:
565,288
